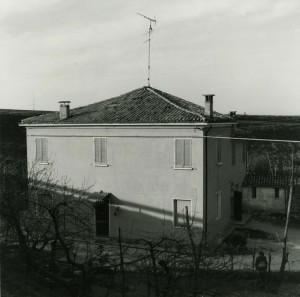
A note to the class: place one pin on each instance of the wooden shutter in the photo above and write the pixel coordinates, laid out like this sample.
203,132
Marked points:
38,149
100,151
232,152
179,153
188,153
219,203
103,159
97,157
219,151
244,152
44,144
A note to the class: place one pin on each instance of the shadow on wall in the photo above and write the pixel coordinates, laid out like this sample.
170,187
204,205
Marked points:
143,221
108,213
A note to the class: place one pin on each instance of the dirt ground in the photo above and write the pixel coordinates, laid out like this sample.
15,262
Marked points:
275,245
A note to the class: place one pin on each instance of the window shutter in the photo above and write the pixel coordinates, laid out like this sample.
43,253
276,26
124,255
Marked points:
44,144
219,151
244,152
179,152
187,153
38,146
232,152
103,150
219,210
97,150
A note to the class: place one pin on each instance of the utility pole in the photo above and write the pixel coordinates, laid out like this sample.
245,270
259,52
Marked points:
284,249
149,42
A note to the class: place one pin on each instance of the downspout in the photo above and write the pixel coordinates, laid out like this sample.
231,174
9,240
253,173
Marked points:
205,181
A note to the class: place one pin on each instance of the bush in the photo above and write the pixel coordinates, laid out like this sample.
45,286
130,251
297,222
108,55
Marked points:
236,240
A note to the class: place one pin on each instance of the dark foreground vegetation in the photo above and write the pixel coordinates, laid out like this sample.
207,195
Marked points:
271,157
19,280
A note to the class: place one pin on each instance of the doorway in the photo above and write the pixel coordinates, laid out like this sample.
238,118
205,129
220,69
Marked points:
237,206
102,218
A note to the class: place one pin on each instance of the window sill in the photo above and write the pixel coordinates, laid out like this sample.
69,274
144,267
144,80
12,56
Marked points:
183,168
100,165
43,163
220,163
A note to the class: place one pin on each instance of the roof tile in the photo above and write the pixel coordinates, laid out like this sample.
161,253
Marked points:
143,105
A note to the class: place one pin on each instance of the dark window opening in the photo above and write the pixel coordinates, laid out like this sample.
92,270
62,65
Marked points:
253,192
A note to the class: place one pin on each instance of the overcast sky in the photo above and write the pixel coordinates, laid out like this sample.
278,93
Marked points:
245,52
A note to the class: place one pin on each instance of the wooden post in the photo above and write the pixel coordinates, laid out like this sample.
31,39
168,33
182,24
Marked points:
284,249
122,265
269,263
153,260
190,234
194,250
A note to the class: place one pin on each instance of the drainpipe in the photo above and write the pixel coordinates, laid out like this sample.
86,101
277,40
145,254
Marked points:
205,182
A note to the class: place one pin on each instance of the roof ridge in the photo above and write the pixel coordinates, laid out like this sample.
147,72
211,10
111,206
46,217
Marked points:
168,101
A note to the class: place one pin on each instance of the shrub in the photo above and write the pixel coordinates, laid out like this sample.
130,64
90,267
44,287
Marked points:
236,240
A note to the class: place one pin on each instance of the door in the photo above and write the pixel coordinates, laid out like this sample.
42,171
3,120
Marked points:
237,206
102,218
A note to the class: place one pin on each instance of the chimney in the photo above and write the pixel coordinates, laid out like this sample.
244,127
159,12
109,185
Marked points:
232,114
64,110
209,101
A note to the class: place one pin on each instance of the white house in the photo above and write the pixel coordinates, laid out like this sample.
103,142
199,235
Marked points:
151,154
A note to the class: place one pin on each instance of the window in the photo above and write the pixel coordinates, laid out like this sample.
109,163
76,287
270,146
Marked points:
244,152
41,145
183,153
218,203
100,151
219,151
232,152
180,212
276,192
253,192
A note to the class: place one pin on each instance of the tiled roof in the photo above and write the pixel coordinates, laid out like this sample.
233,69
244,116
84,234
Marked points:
143,105
279,181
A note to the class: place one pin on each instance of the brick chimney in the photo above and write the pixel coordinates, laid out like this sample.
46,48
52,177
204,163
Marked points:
64,109
209,102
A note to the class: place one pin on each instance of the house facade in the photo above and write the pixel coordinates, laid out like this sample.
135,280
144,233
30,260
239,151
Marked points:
152,153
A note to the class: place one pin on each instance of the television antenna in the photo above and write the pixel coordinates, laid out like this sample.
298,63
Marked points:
149,42
33,101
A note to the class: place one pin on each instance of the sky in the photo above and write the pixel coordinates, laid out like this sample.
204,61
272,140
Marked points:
245,52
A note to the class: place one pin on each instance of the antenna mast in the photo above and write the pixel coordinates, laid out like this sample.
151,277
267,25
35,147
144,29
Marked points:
33,101
149,42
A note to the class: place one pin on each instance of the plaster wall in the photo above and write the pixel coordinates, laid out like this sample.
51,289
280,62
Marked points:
140,172
225,177
265,199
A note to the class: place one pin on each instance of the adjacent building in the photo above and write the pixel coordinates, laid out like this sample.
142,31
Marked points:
270,193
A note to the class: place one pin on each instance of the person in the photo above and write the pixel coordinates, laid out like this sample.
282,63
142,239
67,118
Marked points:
261,265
